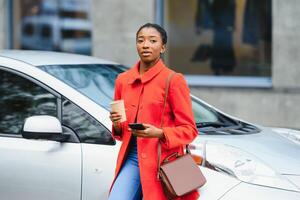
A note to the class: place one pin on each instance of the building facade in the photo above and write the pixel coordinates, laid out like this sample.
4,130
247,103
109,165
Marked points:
240,56
270,99
2,24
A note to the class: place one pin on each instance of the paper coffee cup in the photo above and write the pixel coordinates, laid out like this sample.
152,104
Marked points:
118,106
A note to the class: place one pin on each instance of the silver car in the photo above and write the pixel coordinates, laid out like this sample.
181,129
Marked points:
56,143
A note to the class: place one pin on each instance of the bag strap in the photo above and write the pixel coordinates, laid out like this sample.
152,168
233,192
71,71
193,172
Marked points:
162,121
166,96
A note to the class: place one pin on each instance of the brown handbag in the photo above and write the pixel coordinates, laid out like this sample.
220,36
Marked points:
180,175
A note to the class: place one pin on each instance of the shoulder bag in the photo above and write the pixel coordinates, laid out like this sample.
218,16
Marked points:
180,175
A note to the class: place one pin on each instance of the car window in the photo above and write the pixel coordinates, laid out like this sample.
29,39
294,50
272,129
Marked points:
211,122
85,126
96,81
202,113
21,98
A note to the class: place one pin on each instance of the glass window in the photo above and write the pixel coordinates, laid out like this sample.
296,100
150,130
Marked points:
205,115
62,25
28,29
72,14
219,37
211,122
45,31
96,81
21,98
75,34
87,128
202,113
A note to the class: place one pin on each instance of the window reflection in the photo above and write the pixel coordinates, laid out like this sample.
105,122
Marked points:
28,29
220,37
86,127
21,98
46,31
202,113
95,81
75,34
54,25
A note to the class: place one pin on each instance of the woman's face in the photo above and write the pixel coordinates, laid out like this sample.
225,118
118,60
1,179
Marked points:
149,45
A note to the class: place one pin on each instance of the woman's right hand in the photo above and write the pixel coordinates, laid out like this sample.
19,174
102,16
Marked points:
116,120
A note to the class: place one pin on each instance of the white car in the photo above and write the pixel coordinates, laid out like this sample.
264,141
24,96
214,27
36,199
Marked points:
56,143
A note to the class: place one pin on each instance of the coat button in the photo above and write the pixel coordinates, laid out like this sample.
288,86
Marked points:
143,155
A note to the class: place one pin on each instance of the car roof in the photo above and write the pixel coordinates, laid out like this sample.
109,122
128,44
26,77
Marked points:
38,58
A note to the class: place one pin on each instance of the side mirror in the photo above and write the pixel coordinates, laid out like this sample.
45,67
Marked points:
43,127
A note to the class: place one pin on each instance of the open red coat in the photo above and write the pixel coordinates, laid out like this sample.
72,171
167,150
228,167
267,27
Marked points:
144,97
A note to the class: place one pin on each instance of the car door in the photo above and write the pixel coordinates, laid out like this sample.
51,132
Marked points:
99,150
34,169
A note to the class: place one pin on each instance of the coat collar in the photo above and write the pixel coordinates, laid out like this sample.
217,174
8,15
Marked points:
151,73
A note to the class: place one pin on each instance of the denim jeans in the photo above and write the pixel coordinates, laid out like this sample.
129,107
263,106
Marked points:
128,185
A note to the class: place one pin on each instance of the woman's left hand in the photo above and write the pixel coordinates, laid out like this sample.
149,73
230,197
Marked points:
150,131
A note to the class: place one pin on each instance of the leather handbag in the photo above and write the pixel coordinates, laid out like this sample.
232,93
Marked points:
178,174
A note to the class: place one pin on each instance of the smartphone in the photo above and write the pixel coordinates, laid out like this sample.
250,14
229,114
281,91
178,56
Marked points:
137,126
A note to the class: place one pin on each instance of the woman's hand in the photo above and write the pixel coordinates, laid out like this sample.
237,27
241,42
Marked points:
150,131
116,120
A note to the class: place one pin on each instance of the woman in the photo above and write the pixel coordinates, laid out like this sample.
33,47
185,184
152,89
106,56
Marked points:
143,88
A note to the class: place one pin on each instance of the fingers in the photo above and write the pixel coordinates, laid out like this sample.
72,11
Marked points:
147,125
136,133
115,117
140,133
114,114
148,132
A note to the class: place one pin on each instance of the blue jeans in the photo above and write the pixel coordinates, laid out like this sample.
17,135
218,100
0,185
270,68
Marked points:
128,185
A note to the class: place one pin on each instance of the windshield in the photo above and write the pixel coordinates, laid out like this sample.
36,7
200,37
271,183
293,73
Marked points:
96,81
206,117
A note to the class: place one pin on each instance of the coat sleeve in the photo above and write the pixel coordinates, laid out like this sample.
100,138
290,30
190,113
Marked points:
184,130
117,96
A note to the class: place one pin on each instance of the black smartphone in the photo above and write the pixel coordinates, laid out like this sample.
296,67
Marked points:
137,126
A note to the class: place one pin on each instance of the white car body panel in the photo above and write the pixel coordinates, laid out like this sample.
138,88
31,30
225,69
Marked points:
249,192
41,167
293,135
49,58
257,144
295,179
214,188
98,170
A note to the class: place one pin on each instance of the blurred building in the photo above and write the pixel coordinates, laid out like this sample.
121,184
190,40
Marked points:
51,25
239,55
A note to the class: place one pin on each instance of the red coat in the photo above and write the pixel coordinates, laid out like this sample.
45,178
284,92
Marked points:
144,96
